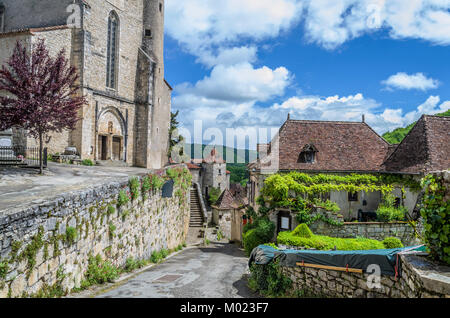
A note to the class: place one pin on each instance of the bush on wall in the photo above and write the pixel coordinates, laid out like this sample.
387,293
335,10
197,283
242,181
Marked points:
259,232
436,217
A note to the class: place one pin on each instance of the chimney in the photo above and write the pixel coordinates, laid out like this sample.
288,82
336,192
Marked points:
363,118
289,116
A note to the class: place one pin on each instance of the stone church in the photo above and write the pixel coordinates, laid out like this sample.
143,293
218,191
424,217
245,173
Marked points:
117,47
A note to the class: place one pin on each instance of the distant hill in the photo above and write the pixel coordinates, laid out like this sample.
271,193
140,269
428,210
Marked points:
241,156
397,135
239,172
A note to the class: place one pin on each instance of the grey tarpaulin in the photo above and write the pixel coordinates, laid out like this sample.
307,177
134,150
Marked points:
387,258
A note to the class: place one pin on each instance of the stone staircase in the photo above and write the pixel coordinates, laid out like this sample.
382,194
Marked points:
196,230
196,219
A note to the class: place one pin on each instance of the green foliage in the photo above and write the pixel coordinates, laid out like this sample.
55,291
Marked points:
239,173
302,230
4,268
110,210
387,212
100,272
213,195
320,242
156,257
302,192
123,198
134,187
392,242
87,162
132,264
436,217
260,232
71,235
268,280
112,228
271,245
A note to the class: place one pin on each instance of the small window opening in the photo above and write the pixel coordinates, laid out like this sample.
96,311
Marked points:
353,196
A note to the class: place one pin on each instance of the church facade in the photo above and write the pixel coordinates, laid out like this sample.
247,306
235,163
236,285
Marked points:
117,47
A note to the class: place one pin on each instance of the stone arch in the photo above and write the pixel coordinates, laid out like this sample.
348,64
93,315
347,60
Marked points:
111,134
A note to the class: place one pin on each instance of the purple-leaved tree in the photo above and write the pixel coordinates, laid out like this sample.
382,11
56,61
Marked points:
39,93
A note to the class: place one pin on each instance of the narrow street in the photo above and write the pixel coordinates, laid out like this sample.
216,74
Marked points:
202,272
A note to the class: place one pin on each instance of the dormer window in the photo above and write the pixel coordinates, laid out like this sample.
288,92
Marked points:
2,18
308,154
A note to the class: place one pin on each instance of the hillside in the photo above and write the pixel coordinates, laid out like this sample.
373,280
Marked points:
239,172
397,135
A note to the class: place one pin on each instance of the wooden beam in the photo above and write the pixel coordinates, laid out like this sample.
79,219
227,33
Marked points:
342,269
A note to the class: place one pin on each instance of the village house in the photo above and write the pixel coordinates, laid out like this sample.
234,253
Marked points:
351,147
118,49
210,172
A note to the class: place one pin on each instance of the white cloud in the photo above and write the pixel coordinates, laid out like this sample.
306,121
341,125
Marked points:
414,81
239,83
205,27
228,114
330,23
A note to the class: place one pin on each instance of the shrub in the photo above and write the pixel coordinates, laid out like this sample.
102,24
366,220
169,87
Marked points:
392,242
271,245
100,272
134,187
213,195
123,198
132,264
4,267
302,230
320,242
436,217
268,280
262,231
71,234
87,162
387,212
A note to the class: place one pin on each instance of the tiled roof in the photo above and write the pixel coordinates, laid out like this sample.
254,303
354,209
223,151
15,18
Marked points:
425,148
226,201
341,146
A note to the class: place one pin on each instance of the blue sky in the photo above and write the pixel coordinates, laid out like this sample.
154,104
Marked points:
247,64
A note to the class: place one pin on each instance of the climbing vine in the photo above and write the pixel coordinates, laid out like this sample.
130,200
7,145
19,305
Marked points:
436,217
303,192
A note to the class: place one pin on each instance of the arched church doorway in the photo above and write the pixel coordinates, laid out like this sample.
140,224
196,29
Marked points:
110,140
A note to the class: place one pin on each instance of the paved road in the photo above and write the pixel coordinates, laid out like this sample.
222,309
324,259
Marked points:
201,272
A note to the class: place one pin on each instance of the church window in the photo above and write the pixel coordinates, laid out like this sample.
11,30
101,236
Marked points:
160,7
113,40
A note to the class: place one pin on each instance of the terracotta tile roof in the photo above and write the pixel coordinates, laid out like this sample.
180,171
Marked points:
193,166
425,148
226,201
338,146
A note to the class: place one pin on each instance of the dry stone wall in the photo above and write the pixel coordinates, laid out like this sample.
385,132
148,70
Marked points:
419,279
36,245
371,230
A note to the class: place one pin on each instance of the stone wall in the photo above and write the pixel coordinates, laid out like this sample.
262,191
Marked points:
34,241
419,278
371,230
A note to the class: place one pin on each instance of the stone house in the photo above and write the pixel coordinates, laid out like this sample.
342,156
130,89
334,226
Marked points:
210,172
117,47
227,215
350,147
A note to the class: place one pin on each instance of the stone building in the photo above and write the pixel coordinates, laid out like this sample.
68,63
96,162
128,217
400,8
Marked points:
351,147
210,172
117,47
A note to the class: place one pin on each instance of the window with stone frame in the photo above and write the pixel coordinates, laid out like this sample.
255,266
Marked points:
112,51
308,154
2,18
